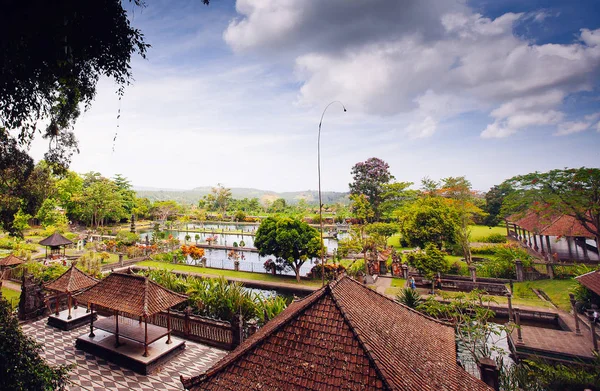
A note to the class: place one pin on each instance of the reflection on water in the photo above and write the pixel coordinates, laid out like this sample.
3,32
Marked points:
500,341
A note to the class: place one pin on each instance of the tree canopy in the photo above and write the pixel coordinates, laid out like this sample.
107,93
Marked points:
369,178
291,241
573,192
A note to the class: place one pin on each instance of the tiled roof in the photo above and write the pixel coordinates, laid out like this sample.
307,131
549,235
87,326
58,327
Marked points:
343,337
566,226
131,293
55,240
591,281
10,260
71,281
551,225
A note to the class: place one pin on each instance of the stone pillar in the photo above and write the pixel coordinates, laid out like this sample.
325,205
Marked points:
121,259
510,308
473,272
489,373
507,229
519,331
548,243
236,331
575,317
405,271
550,270
174,258
535,245
519,270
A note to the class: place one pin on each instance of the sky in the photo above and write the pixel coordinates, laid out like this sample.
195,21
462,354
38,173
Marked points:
233,92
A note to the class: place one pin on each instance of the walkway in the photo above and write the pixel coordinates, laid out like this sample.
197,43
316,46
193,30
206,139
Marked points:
95,374
11,285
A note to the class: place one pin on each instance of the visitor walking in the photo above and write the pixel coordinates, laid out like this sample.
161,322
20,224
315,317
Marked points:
438,282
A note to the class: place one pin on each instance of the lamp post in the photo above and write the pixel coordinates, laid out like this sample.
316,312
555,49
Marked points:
320,200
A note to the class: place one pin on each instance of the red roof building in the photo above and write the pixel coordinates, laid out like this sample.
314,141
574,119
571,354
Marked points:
591,281
344,336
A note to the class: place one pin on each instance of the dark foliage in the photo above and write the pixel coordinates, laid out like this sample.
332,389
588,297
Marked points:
21,366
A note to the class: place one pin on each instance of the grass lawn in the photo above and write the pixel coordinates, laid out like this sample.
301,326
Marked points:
228,273
11,296
557,290
481,231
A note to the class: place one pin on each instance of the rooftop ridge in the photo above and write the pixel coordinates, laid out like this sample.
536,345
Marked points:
374,361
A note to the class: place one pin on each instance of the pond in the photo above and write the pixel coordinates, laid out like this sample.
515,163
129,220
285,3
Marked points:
501,343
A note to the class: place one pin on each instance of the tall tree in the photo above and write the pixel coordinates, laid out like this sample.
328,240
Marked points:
219,198
369,178
291,241
458,191
101,200
163,210
573,192
494,199
429,220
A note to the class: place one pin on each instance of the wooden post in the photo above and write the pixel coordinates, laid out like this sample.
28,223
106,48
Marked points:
535,245
57,296
507,228
117,344
570,250
74,301
92,335
594,338
145,336
548,243
69,317
186,321
169,325
586,257
576,318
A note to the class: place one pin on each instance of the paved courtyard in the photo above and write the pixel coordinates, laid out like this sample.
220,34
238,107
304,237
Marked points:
95,374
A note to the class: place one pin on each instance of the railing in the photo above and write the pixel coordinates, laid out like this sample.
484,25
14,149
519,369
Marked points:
216,333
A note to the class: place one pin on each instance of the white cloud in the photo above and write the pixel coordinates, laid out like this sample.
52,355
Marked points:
566,128
474,62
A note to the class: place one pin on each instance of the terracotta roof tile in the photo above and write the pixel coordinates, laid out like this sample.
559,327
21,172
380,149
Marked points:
73,280
566,226
591,281
343,337
10,260
131,293
55,240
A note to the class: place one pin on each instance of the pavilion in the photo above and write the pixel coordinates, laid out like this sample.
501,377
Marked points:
55,242
9,261
132,299
571,240
344,336
70,282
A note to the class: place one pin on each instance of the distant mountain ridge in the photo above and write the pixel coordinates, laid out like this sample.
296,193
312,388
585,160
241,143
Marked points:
194,195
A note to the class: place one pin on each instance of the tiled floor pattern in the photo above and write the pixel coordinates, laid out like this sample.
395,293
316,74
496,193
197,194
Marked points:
95,374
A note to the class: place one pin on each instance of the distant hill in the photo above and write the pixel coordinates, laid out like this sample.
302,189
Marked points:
194,195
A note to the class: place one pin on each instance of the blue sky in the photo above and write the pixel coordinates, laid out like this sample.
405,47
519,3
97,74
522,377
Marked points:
232,93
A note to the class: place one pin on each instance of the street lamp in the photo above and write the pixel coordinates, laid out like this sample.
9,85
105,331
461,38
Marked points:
320,200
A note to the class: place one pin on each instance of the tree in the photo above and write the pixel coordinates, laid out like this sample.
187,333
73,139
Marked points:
361,208
574,192
68,190
291,241
428,220
127,194
457,191
278,206
369,178
163,210
21,364
219,198
494,199
395,196
20,222
23,186
428,262
101,200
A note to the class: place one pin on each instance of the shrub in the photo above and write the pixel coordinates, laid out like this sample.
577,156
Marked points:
409,297
357,267
127,238
331,271
484,250
458,269
429,261
494,238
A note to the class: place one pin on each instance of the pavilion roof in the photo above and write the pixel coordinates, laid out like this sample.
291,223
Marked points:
10,260
131,293
566,226
73,280
551,225
55,240
591,281
343,336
